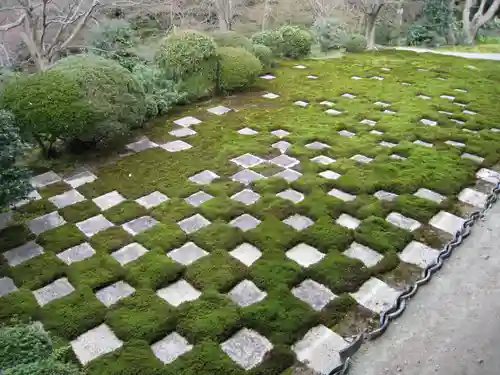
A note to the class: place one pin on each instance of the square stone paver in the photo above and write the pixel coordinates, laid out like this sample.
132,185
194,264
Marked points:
446,113
108,200
319,350
284,161
246,196
460,90
45,179
382,104
129,253
270,95
333,112
291,195
204,177
428,122
330,175
246,254
388,111
45,222
247,176
488,175
176,146
424,97
187,121
368,256
455,143
247,131
474,158
368,122
376,132
300,67
246,293
7,286
219,110
419,254
378,78
385,195
301,103
94,225
193,223
55,290
447,222
187,253
152,200
403,222
422,143
247,160
76,253
95,343
197,199
327,103
430,195
32,196
23,253
356,78
473,197
245,222
280,133
342,195
321,159
310,76
67,198
467,112
459,122
397,157
139,225
346,133
268,76
317,145
388,144
80,178
304,255
348,96
348,221
314,294
460,104
361,159
114,292
182,132
376,295
298,222
141,145
447,97
247,348
289,175
282,146
178,293
171,347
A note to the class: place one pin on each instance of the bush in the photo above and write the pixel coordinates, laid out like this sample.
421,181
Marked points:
330,33
296,42
264,54
238,69
355,43
232,39
14,180
269,38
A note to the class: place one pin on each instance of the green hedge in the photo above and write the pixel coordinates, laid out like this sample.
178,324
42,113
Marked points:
232,39
238,69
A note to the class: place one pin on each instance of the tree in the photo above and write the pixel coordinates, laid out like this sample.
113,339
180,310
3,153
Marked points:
371,10
475,14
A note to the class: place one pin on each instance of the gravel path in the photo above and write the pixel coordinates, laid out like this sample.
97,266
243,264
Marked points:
467,55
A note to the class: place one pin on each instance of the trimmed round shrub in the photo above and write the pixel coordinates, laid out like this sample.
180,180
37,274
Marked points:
264,54
355,43
238,69
330,33
232,39
296,42
269,38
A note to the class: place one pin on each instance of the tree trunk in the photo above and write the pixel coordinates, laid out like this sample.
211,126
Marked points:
370,31
471,25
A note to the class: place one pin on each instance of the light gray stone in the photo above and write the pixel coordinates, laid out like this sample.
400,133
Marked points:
170,348
321,159
460,90
45,179
187,121
182,132
282,146
197,199
348,96
152,200
463,105
424,97
446,113
495,130
383,104
361,159
204,177
301,103
457,121
114,292
176,146
141,145
470,131
319,350
270,95
246,196
488,175
327,103
346,133
178,293
94,225
32,196
46,222
405,83
67,198
247,160
447,97
219,110
356,78
368,122
193,223
376,132
55,290
22,253
368,256
314,294
246,254
422,143
298,222
139,225
247,131
376,295
389,112
422,70
284,161
268,76
246,293
245,222
317,145
95,343
76,253
247,176
342,195
428,122
447,222
474,158
397,157
387,144
280,133
330,175
419,254
378,78
6,219
187,253
333,112
403,222
108,200
80,178
247,348
304,255
7,286
430,195
348,221
455,144
386,69
473,197
129,253
300,67
385,195
289,175
291,195
310,76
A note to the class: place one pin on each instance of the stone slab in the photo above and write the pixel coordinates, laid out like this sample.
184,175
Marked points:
473,197
270,95
246,293
139,225
95,343
80,178
314,294
32,196
280,133
45,179
298,222
342,195
187,253
176,146
55,290
292,195
388,144
447,222
7,286
288,175
22,253
198,198
193,223
455,143
346,133
488,175
428,122
129,253
141,145
423,143
327,103
310,76
333,112
170,348
94,225
419,254
204,177
246,196
247,348
67,198
108,200
430,195
376,295
382,104
46,222
385,195
368,122
247,176
368,256
361,159
321,159
474,158
348,221
178,293
152,200
304,255
268,76
187,121
330,175
301,103
182,132
397,157
282,146
317,145
247,131
376,132
285,161
245,222
403,222
247,161
348,95
76,253
114,292
246,254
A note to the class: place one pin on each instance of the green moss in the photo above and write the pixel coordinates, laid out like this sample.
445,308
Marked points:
388,263
324,235
275,271
318,204
381,236
96,272
221,187
275,361
222,208
33,209
124,212
80,211
14,236
417,208
272,234
365,206
333,313
142,316
271,205
54,189
174,209
111,239
162,237
60,238
218,271
20,305
218,236
152,271
271,185
37,272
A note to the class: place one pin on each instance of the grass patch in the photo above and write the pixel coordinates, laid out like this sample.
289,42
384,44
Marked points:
96,272
60,238
222,208
218,236
111,239
80,211
20,305
152,271
54,189
382,236
33,209
124,212
38,272
14,236
162,237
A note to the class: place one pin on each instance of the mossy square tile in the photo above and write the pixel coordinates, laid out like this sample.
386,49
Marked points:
108,200
141,145
187,253
376,295
284,161
114,292
289,175
403,222
176,146
246,196
193,223
55,290
129,253
7,286
247,160
304,255
368,256
76,253
203,178
246,293
419,254
152,200
95,343
473,197
178,293
139,225
488,175
67,198
44,223
219,110
94,225
314,294
45,179
298,222
171,347
22,253
80,178
247,176
247,348
246,254
447,222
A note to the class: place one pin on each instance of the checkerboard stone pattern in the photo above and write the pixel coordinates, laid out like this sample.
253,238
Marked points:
129,253
171,347
187,253
55,290
139,225
108,200
204,177
376,295
76,253
95,343
245,222
246,293
247,348
403,222
152,200
45,179
419,254
114,292
7,286
178,293
368,256
94,225
80,178
304,255
447,222
45,223
21,254
193,224
246,254
314,294
67,198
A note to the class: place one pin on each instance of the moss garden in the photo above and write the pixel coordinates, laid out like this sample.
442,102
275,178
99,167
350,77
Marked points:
239,228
